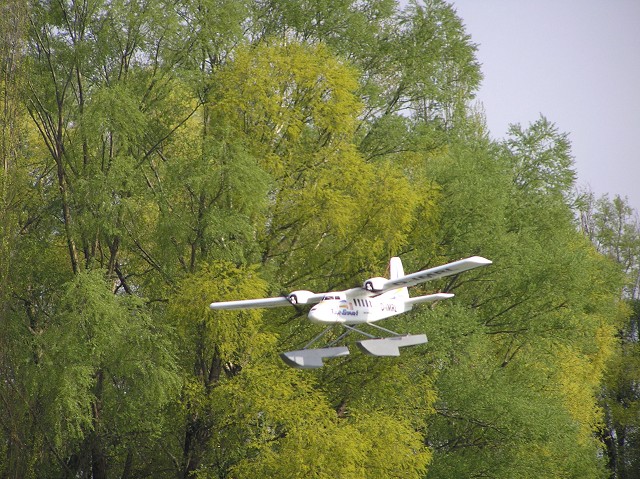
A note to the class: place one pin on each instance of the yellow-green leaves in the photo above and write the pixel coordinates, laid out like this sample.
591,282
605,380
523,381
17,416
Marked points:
294,433
290,99
234,336
294,107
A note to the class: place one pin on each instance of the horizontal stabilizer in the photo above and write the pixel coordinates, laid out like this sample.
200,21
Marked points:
428,298
390,346
312,358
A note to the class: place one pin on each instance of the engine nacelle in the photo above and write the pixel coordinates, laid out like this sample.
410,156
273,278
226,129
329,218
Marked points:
300,297
375,284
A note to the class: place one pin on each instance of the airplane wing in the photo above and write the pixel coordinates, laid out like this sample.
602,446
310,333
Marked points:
427,274
297,297
374,285
252,303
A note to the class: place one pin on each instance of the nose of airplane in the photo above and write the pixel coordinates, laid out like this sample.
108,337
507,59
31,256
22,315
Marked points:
318,314
313,315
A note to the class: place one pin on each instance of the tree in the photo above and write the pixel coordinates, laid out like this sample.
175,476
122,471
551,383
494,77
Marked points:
541,158
621,399
294,107
612,227
101,119
119,371
520,357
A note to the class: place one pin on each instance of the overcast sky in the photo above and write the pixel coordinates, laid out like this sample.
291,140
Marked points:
577,62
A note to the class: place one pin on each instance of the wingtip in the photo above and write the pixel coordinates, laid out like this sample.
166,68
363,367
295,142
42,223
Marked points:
480,260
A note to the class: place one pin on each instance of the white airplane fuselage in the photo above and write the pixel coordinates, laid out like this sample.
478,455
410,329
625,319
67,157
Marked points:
356,310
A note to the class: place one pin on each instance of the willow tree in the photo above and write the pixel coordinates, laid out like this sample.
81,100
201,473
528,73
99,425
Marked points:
519,367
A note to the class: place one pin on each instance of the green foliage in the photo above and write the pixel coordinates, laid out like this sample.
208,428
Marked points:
295,433
99,367
543,323
541,158
498,420
612,227
158,156
294,107
621,401
235,335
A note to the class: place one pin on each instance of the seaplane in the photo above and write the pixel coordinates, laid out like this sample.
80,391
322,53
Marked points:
377,299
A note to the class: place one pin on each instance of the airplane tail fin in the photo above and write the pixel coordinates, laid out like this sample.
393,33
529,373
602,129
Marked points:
397,271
